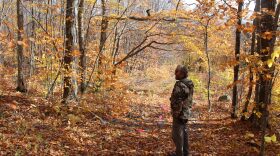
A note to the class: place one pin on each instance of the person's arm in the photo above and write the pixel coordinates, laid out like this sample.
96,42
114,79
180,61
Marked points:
187,92
190,94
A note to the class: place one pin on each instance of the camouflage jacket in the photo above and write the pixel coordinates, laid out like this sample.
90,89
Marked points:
181,99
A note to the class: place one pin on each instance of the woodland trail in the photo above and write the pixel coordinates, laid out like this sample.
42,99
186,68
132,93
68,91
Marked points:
30,126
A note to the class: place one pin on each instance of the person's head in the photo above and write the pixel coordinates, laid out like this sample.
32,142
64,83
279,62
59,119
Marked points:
181,72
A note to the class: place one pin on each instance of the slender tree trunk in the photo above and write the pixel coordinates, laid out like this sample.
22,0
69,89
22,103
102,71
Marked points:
68,58
251,79
258,50
32,45
209,68
178,4
253,49
45,45
236,67
75,61
103,34
20,78
82,46
116,30
117,47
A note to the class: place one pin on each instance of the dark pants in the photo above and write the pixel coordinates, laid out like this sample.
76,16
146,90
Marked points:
180,137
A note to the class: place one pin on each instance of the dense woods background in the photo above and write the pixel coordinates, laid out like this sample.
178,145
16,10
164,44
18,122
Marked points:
93,77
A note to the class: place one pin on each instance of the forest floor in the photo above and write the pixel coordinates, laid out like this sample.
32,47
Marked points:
32,125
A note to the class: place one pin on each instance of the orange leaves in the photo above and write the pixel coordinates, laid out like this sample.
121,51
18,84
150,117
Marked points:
246,28
239,27
22,43
240,1
13,105
75,53
249,28
267,35
11,45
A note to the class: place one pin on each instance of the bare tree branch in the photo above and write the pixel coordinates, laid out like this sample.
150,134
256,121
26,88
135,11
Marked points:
134,51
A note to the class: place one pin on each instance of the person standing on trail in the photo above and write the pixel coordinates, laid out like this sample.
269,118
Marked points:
181,103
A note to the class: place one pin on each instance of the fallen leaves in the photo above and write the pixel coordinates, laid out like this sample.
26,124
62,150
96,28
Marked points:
270,139
39,126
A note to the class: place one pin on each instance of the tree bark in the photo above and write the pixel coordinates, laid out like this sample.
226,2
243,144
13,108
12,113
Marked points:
32,45
267,44
20,78
263,89
236,67
209,67
103,33
253,49
82,46
251,79
68,58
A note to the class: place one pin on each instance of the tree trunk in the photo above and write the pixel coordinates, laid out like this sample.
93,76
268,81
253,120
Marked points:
251,79
75,62
268,23
236,67
209,68
263,89
32,45
103,33
20,78
253,49
82,46
68,58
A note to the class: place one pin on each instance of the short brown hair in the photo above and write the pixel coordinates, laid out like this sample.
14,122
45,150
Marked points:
183,69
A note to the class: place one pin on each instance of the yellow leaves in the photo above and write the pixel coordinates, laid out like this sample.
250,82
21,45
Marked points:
258,114
270,63
249,135
73,119
274,56
222,27
90,1
276,52
191,45
273,138
246,114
